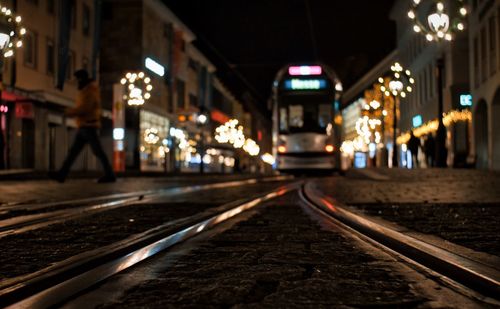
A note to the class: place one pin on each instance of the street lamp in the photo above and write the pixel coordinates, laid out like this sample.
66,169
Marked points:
11,37
398,85
442,25
201,121
11,34
137,91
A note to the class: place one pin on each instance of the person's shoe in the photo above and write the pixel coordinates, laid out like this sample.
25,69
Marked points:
106,179
56,177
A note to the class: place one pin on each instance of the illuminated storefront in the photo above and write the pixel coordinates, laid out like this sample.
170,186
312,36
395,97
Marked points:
153,141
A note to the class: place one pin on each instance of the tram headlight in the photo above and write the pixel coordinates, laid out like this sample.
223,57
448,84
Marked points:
329,148
281,149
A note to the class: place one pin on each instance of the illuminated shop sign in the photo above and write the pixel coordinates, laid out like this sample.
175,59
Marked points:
305,70
154,67
465,100
305,84
118,134
417,121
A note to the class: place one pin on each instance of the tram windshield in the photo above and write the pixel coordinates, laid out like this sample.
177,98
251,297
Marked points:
297,117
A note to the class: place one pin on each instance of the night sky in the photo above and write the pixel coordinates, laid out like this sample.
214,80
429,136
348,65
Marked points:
250,40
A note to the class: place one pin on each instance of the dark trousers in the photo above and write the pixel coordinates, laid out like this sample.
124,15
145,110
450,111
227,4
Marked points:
84,136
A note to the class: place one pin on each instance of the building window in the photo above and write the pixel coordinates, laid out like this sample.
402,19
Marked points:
70,68
50,49
192,64
85,63
30,49
193,100
50,7
484,58
181,93
476,62
74,14
86,20
493,46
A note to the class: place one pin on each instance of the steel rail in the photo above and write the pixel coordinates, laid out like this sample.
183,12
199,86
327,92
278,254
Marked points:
475,275
21,224
136,194
56,284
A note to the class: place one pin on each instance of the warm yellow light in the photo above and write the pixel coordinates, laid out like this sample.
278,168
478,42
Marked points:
329,148
281,149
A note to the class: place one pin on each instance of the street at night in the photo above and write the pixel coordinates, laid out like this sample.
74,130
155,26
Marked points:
249,154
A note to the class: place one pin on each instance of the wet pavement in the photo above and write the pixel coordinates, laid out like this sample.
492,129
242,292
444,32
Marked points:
33,250
279,258
460,206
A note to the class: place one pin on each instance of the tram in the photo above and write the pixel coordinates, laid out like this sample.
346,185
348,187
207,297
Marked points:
306,138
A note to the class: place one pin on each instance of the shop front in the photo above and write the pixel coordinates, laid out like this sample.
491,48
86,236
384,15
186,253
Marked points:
153,137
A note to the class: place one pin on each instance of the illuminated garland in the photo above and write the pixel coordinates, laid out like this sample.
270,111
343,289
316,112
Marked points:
440,25
232,133
450,118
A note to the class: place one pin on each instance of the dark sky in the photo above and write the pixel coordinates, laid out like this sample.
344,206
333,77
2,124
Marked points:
250,40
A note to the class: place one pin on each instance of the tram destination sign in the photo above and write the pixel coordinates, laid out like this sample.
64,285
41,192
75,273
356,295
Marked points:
305,84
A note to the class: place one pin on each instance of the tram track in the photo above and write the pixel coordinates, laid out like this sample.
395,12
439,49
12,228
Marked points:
462,271
88,206
54,284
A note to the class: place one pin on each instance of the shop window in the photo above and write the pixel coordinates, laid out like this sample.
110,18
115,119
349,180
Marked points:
30,49
50,50
86,20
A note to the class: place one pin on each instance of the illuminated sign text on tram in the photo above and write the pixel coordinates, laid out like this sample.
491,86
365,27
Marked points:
305,70
305,84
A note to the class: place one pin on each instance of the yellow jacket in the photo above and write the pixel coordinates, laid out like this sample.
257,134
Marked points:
88,107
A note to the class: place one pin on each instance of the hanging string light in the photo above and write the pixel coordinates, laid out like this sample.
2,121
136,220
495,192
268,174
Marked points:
138,88
11,32
399,84
442,22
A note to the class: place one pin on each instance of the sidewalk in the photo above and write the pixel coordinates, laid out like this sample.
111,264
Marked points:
461,206
384,185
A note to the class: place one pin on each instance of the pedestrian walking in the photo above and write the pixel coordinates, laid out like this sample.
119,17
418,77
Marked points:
88,117
430,150
414,145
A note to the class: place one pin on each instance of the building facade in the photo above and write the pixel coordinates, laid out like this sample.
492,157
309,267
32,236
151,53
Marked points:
420,110
35,134
484,75
145,36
